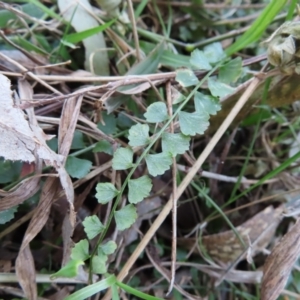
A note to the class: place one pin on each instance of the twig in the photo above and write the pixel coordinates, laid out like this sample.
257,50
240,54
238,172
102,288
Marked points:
134,30
174,192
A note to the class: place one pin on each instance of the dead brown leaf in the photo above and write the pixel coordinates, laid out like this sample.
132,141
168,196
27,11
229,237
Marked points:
24,190
25,262
256,233
68,121
280,263
26,273
19,141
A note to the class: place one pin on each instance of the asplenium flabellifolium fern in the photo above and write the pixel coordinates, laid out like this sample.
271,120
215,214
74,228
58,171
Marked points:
142,137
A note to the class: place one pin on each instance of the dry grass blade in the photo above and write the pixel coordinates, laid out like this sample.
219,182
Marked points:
21,192
280,263
26,273
25,263
68,121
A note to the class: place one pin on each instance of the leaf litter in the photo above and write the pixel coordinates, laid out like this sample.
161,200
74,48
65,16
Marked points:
24,140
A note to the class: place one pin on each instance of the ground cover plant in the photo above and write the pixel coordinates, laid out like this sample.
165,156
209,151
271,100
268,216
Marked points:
149,149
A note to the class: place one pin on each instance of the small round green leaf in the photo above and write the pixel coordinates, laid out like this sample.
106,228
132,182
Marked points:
92,226
206,103
139,189
193,123
219,89
199,60
78,168
8,214
231,71
108,124
108,248
186,77
78,141
138,135
103,146
106,192
156,112
158,163
214,52
99,264
81,250
125,217
175,143
122,159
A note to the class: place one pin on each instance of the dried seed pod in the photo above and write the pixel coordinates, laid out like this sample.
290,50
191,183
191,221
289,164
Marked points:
284,47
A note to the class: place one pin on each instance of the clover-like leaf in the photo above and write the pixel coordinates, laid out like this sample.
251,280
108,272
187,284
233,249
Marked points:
219,89
175,143
199,60
156,112
158,163
186,77
125,217
193,123
139,189
92,226
105,192
122,159
206,103
138,135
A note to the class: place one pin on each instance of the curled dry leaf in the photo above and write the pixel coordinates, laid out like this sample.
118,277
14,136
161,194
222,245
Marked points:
256,233
68,121
280,263
29,144
19,141
24,190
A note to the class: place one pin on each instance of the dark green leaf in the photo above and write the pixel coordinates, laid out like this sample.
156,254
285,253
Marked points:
103,146
108,124
78,168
